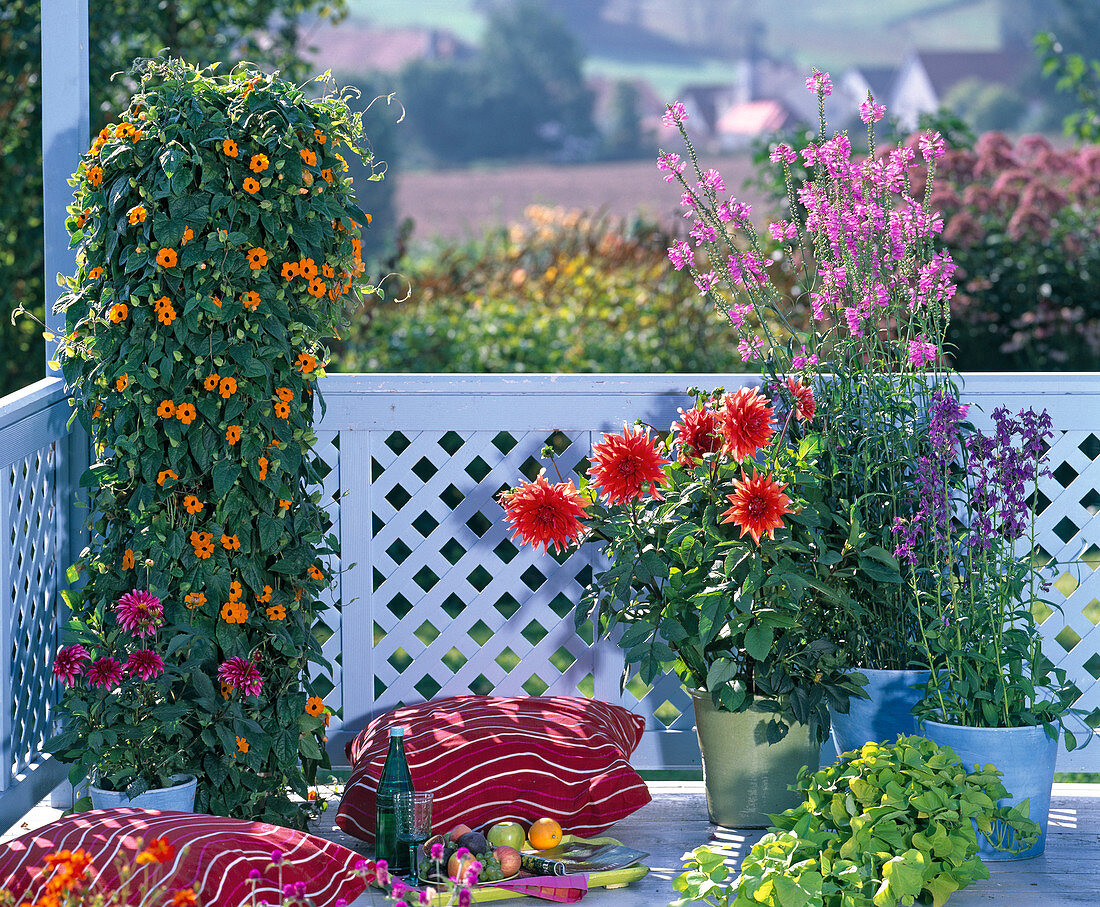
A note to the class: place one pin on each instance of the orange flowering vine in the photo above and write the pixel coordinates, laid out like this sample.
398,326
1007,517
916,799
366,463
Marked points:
128,559
262,464
121,381
188,235
194,600
320,136
203,543
95,273
250,300
250,185
164,475
314,706
192,504
326,174
167,258
234,612
231,542
136,215
166,409
276,612
186,413
285,394
118,312
227,387
257,258
317,287
233,434
282,410
266,596
316,573
211,381
229,148
306,363
95,175
284,504
235,591
307,268
290,270
242,744
308,157
258,163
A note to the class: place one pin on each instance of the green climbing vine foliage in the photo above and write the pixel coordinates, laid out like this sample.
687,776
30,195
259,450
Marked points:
218,247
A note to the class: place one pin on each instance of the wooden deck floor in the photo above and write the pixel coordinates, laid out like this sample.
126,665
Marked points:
676,821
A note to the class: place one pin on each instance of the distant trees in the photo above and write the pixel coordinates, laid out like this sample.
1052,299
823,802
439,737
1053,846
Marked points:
522,94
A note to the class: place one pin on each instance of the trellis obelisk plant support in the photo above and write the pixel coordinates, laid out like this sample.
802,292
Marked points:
218,244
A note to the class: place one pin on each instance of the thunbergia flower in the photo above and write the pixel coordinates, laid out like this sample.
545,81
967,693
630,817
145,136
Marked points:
139,612
69,662
240,674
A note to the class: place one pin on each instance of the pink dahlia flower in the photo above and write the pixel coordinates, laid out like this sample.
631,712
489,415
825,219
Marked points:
139,612
68,664
105,672
241,674
145,664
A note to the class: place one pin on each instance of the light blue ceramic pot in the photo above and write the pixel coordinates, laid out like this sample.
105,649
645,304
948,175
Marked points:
1024,755
178,798
887,713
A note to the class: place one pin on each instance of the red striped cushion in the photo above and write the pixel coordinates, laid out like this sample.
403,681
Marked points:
491,759
219,854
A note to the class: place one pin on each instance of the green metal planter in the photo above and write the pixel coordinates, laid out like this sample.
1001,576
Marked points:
746,778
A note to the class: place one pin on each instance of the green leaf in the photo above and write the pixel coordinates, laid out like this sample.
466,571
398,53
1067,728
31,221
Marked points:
758,641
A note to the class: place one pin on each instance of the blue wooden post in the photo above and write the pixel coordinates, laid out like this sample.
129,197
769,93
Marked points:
64,139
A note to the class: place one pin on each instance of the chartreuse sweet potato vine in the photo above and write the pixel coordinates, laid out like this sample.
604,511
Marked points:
218,243
885,825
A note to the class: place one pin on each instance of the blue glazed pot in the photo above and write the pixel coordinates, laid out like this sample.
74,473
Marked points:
887,713
1024,755
178,798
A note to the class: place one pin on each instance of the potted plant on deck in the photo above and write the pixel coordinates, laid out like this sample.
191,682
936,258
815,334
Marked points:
992,696
708,579
866,330
124,731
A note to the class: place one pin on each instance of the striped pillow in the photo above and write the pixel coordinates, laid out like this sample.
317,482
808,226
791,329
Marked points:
491,759
215,852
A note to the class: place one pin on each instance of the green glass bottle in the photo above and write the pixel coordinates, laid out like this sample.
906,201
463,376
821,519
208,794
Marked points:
395,780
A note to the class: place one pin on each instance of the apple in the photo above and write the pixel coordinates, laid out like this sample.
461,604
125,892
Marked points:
507,834
509,860
458,831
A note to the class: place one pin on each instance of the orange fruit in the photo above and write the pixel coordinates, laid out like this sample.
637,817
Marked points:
544,834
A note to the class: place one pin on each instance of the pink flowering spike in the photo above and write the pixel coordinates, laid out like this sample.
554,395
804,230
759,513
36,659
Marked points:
820,83
932,146
921,352
675,114
870,112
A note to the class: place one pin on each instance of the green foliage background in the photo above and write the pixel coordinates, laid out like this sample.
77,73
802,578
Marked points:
204,31
262,487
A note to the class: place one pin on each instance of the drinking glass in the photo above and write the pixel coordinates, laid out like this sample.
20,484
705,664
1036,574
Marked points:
413,813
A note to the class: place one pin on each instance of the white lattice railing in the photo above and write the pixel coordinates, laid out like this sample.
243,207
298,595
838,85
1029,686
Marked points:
437,599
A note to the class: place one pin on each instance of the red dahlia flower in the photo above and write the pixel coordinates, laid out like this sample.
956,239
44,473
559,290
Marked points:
144,663
241,674
104,672
758,506
545,514
804,404
699,432
747,419
622,465
139,612
68,664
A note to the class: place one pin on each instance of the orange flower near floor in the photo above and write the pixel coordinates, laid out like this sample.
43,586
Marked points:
95,273
262,464
159,850
227,387
804,404
251,300
203,543
235,591
98,410
194,600
316,573
276,612
164,475
166,409
306,363
188,235
242,744
290,270
229,148
699,432
285,394
121,382
186,413
231,542
258,163
167,258
124,130
307,268
226,690
233,434
326,269
211,381
759,506
544,514
128,559
185,897
314,705
326,174
95,175
250,185
266,596
118,312
747,422
320,136
166,315
623,465
234,613
136,214
192,504
257,258
308,157
284,504
317,287
216,300
282,410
